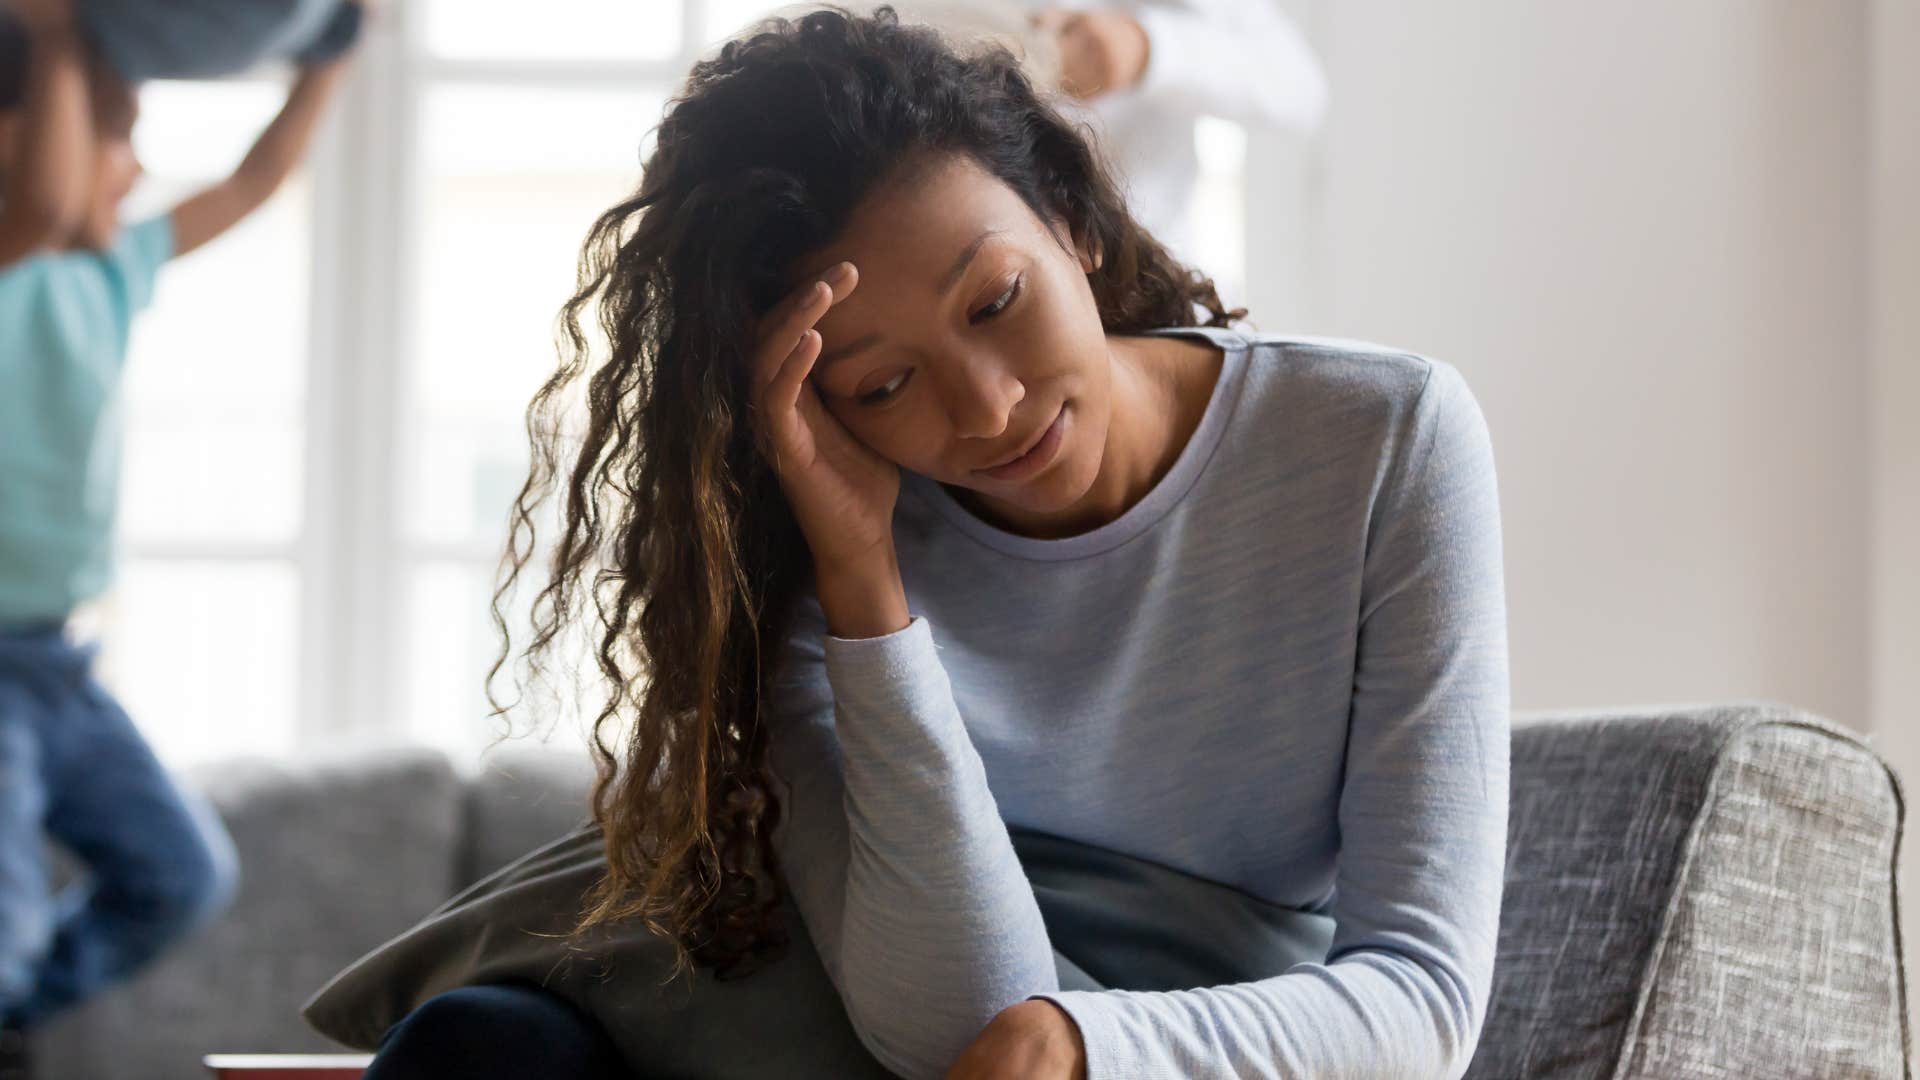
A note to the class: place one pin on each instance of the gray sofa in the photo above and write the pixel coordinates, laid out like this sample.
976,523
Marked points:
1691,892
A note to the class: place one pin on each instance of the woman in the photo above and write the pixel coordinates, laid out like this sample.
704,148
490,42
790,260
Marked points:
1108,696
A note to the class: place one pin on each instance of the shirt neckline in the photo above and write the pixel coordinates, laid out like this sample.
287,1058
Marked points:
1142,515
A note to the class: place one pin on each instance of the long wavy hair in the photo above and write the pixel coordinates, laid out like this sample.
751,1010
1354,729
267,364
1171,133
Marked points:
677,555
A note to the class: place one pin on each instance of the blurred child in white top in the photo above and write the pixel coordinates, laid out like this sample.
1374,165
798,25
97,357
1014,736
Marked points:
1143,71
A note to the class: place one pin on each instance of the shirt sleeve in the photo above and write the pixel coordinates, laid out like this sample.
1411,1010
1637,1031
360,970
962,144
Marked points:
1241,60
894,849
1422,810
92,296
135,260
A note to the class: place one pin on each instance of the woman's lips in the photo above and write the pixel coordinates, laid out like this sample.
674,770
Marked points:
1037,458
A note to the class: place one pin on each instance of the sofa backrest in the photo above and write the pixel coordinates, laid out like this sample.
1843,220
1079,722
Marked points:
523,797
336,856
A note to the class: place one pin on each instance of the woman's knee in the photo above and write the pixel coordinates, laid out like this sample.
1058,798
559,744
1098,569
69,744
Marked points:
508,1030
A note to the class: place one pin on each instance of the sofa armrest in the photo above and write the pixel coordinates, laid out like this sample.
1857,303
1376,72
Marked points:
1700,891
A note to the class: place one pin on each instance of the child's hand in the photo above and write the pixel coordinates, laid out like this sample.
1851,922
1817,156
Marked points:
1100,50
841,492
342,38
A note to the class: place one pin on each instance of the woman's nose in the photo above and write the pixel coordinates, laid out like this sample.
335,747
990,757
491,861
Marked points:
981,399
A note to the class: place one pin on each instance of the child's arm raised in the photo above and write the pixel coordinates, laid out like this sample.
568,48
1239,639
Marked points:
44,189
274,155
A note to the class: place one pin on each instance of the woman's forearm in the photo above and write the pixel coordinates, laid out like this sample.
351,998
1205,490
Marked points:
932,927
864,600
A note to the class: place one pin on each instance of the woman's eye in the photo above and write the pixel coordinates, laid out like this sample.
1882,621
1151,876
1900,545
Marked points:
886,391
881,393
1001,303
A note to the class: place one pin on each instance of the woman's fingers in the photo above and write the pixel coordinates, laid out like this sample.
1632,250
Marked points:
778,386
780,329
791,345
782,396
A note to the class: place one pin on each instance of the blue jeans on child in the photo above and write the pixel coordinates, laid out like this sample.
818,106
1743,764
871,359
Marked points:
73,768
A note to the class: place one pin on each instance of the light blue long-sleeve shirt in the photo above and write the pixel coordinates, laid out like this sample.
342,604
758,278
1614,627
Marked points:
1283,670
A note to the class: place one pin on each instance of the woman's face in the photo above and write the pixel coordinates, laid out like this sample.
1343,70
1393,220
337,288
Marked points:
970,330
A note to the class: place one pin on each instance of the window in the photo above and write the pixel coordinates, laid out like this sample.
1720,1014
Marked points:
202,631
325,406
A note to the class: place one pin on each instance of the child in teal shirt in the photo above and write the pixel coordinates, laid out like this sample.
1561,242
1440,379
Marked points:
72,765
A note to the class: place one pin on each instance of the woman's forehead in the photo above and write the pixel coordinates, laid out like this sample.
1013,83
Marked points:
917,231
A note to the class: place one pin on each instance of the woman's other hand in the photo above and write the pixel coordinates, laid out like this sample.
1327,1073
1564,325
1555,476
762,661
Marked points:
1033,1040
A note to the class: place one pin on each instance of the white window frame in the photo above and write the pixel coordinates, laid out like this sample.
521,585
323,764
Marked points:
354,557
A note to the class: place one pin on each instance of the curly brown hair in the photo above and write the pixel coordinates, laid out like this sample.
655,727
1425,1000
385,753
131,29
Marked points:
677,542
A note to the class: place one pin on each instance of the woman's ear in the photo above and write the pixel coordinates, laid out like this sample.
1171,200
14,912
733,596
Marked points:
1088,248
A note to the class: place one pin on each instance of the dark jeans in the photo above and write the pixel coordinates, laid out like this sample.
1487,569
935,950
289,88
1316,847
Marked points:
502,1032
72,766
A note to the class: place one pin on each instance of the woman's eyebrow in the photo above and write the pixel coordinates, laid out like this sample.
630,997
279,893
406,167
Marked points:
947,281
959,267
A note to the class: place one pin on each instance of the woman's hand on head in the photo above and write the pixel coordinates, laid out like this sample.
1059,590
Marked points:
841,492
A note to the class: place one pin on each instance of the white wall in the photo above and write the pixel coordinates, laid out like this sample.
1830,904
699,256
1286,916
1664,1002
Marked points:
1895,202
1639,230
1895,392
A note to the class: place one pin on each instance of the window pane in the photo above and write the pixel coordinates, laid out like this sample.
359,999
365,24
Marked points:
452,643
1219,206
191,132
203,654
210,475
554,29
726,18
217,364
514,178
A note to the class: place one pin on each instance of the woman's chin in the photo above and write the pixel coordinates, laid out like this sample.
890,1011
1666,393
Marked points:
1056,491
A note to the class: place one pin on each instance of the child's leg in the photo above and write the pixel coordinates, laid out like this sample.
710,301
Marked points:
161,863
506,1032
26,915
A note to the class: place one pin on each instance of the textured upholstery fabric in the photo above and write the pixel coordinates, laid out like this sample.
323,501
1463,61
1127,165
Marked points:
523,798
1697,892
335,856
